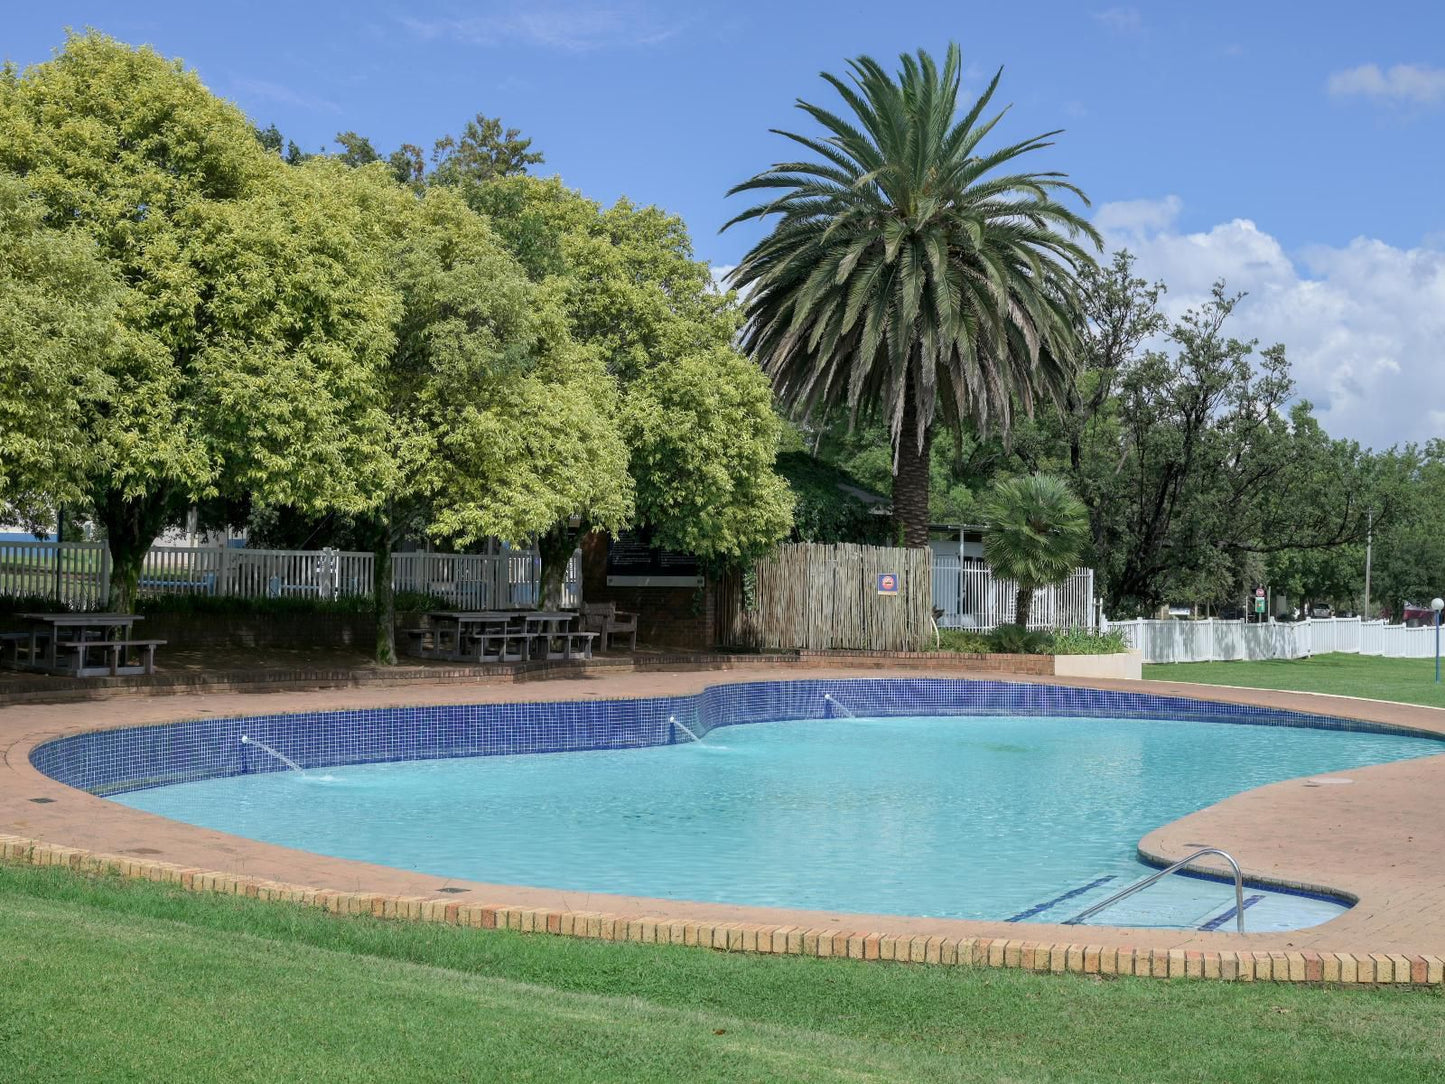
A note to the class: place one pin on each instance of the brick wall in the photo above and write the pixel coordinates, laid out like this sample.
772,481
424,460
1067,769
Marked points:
667,616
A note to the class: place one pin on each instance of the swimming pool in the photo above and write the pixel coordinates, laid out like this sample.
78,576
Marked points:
940,804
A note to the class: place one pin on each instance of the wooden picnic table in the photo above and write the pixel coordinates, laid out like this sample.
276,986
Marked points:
501,635
63,644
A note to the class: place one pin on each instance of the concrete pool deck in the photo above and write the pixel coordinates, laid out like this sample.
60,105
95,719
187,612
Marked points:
1378,838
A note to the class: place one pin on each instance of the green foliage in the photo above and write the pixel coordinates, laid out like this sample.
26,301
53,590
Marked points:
253,319
57,303
226,606
697,418
31,604
1035,530
1198,470
826,508
964,641
500,425
1087,642
1018,640
906,279
484,150
704,439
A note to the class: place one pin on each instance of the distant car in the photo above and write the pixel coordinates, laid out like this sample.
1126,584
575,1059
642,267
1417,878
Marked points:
1321,611
1415,616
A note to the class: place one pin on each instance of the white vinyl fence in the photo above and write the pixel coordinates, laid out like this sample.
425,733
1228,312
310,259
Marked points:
482,581
78,574
971,597
1228,641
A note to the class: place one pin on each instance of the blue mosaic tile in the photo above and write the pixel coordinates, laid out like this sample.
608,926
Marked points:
132,758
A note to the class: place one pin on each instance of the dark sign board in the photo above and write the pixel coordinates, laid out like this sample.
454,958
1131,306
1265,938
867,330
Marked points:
633,561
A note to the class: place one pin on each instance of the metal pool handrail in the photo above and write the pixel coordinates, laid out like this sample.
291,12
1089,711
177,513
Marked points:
1139,886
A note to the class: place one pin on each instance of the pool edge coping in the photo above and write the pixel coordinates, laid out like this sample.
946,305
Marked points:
1085,958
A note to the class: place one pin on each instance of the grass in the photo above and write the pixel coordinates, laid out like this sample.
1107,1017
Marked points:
121,980
1408,681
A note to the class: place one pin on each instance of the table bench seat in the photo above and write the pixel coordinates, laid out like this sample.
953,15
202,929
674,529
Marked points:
116,651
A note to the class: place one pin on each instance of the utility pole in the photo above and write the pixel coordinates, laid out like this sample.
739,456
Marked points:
1369,546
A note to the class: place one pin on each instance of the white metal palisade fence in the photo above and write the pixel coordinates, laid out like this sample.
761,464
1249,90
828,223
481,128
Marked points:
1228,641
971,597
77,574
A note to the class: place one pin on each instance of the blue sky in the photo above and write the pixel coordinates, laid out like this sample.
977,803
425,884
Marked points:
1293,148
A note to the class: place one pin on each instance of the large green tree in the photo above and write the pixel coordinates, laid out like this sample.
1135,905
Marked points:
701,433
253,319
502,425
908,276
57,324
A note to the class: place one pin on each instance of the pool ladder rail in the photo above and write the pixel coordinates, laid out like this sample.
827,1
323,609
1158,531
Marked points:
1140,885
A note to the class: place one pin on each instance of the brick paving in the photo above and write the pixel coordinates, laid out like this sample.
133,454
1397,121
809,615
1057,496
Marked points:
1378,838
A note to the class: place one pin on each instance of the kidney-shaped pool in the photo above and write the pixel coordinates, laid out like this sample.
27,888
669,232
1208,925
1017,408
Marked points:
957,811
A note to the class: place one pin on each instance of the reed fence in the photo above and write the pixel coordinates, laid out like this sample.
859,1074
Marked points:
820,597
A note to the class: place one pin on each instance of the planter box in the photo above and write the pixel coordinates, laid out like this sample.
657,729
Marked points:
1127,665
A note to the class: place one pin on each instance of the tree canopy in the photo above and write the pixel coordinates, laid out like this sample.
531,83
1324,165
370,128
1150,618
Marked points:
697,417
251,319
58,305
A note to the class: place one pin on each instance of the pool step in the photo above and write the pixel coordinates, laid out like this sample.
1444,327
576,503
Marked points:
1227,914
1186,913
1073,893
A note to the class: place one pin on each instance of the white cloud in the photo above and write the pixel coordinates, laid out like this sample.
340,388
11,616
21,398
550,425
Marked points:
1137,215
1363,324
573,28
1416,84
1121,20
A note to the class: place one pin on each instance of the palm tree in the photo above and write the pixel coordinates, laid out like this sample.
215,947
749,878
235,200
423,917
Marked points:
1034,531
907,277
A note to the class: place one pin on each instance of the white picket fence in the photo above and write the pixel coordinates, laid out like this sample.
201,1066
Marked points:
78,574
971,597
1229,641
482,581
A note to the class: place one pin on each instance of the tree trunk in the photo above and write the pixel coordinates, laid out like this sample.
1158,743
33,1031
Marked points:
911,474
555,548
384,596
131,525
1023,606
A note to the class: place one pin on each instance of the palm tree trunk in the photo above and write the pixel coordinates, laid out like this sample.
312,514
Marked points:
911,474
1023,606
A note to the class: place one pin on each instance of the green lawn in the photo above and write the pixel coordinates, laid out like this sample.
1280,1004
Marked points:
1410,681
112,980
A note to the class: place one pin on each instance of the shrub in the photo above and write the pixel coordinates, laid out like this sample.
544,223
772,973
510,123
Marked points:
964,641
1017,640
223,605
1087,642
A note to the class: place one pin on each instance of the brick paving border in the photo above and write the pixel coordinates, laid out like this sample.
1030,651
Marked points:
1328,968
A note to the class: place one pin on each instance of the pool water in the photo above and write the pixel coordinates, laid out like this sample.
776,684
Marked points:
1026,818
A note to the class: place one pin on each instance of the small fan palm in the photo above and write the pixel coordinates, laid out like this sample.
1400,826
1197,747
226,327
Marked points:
1034,532
907,277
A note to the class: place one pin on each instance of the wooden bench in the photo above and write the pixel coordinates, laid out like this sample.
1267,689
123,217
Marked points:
116,650
605,620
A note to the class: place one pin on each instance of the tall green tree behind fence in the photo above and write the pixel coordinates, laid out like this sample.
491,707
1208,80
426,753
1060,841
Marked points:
819,597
